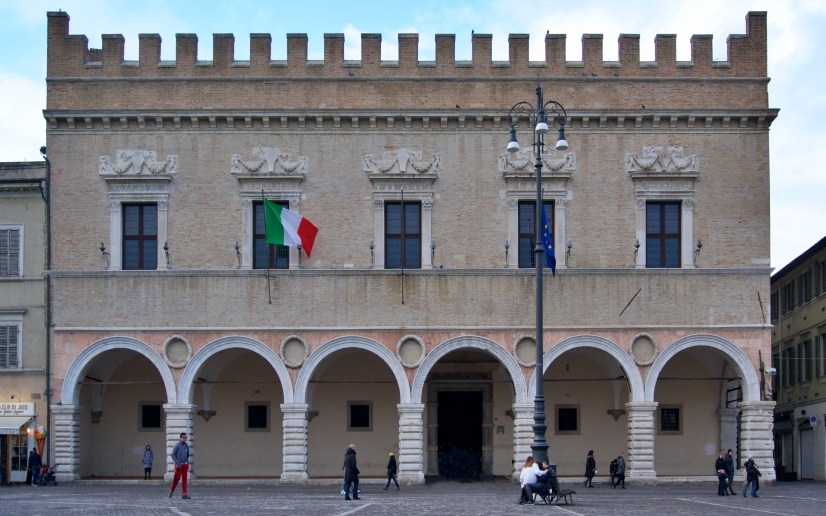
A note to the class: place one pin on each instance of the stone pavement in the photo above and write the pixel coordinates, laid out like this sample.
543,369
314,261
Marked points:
787,499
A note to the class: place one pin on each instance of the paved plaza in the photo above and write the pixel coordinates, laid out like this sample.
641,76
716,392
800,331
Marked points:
800,498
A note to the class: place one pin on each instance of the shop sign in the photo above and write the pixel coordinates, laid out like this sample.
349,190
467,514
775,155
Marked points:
16,409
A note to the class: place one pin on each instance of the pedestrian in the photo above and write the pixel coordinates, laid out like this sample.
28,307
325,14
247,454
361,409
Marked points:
180,457
351,473
612,469
391,472
590,469
148,457
528,478
730,470
35,464
751,477
620,471
722,475
757,476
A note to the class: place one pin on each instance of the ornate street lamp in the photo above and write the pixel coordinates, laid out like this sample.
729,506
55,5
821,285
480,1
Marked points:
537,117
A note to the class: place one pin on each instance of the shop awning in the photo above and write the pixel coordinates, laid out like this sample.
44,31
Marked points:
10,425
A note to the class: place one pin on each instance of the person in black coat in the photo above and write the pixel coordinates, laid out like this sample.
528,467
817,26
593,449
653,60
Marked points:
391,472
751,477
590,469
730,470
351,473
612,469
722,475
35,464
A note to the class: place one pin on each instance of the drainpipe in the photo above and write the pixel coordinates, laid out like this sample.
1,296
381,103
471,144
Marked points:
47,197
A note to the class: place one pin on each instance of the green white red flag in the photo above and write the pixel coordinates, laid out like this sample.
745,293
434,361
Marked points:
285,227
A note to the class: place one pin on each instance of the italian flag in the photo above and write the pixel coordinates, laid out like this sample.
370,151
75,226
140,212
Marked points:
285,227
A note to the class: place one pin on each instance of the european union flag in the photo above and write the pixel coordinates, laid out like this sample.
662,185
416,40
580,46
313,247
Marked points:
548,243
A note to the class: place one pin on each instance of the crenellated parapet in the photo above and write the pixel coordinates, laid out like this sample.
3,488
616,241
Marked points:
70,56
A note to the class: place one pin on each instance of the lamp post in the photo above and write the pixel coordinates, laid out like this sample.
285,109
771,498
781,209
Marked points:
538,120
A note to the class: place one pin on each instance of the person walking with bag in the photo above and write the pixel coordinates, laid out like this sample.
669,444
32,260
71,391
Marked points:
722,475
590,469
391,472
180,456
751,477
148,457
351,473
730,470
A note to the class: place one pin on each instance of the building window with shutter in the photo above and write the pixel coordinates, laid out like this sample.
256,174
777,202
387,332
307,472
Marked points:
527,230
817,278
670,420
774,307
662,242
800,290
402,235
11,246
264,255
807,361
807,286
9,346
140,236
818,356
568,420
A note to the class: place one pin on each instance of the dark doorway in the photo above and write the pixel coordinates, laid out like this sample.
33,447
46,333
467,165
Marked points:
460,433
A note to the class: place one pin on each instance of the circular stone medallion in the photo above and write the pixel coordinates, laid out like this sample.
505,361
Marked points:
294,351
411,351
643,349
524,350
176,351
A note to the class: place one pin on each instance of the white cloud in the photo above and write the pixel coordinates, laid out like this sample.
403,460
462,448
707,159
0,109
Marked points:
22,127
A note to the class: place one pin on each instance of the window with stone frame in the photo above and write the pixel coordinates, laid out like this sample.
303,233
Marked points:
799,362
807,285
774,305
527,231
818,357
10,251
790,364
151,416
807,359
568,420
402,235
9,346
257,416
670,420
140,236
662,242
817,278
360,416
264,255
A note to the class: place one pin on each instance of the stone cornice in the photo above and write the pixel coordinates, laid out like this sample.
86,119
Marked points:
408,78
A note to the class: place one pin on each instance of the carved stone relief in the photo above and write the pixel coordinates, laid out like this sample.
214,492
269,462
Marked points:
402,161
137,161
662,159
276,161
524,160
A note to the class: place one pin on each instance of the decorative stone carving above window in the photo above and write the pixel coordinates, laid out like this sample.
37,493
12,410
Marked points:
664,173
276,163
402,161
137,162
518,170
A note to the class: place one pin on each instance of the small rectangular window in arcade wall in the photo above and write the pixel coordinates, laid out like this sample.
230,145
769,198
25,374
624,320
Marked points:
359,416
671,420
151,416
258,416
567,420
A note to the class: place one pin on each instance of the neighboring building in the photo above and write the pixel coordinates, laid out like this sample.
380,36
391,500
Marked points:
798,303
23,402
171,328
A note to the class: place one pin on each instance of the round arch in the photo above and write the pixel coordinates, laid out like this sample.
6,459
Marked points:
350,342
187,386
470,342
627,364
70,394
739,359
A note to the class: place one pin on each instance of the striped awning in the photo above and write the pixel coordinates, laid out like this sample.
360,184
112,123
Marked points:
10,425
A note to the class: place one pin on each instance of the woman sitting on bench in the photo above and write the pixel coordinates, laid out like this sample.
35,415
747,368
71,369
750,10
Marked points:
530,473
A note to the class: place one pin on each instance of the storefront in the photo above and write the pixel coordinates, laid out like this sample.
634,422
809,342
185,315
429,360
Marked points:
16,439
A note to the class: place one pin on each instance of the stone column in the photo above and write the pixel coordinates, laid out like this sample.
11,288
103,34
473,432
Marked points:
639,461
179,419
67,442
411,443
728,429
522,436
756,436
295,443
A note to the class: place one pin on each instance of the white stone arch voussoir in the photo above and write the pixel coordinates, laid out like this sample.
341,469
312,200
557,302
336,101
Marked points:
632,372
471,342
351,342
187,386
70,394
741,362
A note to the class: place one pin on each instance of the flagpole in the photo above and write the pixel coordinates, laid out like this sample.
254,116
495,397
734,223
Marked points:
403,250
266,245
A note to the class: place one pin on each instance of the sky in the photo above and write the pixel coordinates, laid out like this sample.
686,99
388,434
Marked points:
797,42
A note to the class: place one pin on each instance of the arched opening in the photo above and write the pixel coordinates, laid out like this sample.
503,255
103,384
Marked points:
586,390
353,397
694,390
122,393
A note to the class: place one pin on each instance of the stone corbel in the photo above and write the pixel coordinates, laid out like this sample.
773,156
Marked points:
207,414
616,414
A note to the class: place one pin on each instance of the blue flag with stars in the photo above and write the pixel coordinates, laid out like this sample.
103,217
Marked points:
547,243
